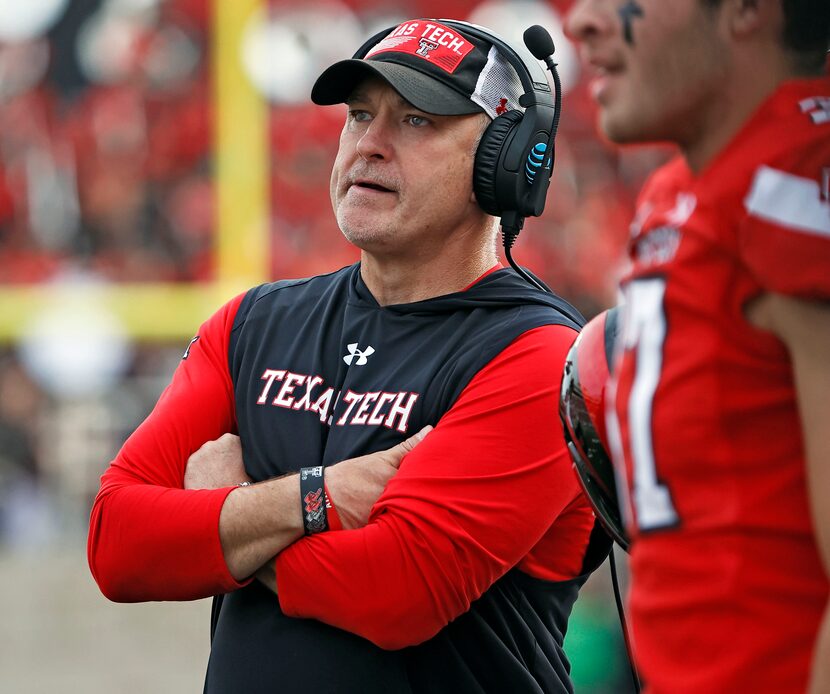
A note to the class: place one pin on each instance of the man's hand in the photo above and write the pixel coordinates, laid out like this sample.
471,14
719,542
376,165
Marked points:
216,464
256,525
354,485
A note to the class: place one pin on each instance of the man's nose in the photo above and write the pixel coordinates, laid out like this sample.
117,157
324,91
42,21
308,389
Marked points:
376,143
589,18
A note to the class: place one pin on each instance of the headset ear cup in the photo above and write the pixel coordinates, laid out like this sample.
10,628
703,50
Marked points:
487,161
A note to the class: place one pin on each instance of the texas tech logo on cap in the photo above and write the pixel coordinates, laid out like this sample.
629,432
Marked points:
440,45
424,47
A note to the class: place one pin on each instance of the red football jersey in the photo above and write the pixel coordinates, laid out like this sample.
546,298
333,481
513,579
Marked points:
727,585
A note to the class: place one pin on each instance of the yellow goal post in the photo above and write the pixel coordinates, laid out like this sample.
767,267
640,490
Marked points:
173,311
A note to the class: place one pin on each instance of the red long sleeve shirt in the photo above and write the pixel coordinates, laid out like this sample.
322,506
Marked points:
489,489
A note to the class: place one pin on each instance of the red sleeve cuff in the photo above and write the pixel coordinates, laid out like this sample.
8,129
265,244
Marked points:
229,583
331,512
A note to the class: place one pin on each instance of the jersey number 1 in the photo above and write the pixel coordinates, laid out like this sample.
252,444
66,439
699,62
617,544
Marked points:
645,333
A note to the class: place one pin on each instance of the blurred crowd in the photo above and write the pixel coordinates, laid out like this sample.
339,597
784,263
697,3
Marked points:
105,144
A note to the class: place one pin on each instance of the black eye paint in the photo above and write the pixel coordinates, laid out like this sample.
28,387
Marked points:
627,13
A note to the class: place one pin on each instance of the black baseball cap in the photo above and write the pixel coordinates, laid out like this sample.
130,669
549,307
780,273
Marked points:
437,68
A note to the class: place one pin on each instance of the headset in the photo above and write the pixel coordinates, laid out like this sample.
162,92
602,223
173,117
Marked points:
514,159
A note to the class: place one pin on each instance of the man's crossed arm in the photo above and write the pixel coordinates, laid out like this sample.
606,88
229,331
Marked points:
259,521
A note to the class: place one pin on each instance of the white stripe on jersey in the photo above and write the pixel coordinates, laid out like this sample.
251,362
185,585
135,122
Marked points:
791,201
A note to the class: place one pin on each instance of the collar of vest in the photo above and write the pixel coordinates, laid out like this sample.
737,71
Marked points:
500,289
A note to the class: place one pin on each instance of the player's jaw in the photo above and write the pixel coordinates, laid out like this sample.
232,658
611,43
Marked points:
627,111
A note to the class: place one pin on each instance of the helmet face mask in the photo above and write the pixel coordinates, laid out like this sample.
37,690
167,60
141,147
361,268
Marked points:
582,410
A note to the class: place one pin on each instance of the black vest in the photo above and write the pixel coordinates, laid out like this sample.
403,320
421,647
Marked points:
377,375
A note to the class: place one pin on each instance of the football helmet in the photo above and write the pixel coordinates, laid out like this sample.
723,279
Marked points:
582,410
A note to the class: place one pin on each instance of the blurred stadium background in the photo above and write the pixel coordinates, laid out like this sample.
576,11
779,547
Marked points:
156,158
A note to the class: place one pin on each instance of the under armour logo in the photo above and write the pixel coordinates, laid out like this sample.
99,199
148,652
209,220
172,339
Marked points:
818,107
502,107
362,357
425,46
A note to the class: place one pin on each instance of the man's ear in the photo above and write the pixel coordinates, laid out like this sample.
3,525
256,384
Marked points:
750,17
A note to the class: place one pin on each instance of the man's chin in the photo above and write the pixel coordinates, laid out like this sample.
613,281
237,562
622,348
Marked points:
613,129
620,133
625,129
367,237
